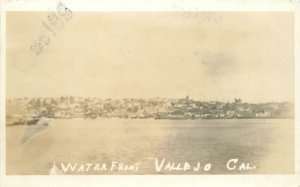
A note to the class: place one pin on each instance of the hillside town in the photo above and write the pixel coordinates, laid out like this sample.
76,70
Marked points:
158,108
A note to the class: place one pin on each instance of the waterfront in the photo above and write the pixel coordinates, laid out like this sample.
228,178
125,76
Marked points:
266,143
20,110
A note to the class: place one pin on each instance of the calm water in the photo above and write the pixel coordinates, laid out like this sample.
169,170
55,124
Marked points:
267,144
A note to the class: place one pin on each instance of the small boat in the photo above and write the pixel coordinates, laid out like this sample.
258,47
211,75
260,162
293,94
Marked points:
92,115
32,120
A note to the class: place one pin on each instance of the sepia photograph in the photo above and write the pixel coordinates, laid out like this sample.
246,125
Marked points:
149,93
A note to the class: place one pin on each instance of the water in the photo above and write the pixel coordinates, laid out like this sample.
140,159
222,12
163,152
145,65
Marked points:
267,144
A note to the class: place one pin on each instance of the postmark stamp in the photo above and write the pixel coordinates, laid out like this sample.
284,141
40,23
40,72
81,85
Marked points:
54,23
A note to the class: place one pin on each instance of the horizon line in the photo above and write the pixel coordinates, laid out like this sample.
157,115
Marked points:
155,97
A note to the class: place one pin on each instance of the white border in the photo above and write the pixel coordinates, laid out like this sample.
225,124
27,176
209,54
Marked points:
155,5
154,180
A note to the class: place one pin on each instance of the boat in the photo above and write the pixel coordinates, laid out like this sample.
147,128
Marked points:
32,120
92,115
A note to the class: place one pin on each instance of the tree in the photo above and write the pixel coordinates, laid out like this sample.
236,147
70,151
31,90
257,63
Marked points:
44,102
38,103
71,100
237,100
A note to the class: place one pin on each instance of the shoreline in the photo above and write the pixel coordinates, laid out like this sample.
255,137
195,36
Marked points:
153,119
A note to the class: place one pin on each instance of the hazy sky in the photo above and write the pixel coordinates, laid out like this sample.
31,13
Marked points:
208,56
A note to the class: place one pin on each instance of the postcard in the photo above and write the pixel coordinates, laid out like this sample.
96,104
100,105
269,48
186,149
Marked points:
175,91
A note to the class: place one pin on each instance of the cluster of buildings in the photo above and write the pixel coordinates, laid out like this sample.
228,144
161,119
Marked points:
157,108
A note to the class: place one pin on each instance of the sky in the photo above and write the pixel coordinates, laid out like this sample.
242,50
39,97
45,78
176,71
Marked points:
206,55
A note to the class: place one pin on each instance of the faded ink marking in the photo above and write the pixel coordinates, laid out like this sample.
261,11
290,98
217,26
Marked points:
55,22
203,17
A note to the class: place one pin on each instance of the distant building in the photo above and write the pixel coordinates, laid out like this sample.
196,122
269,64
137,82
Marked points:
230,113
262,114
